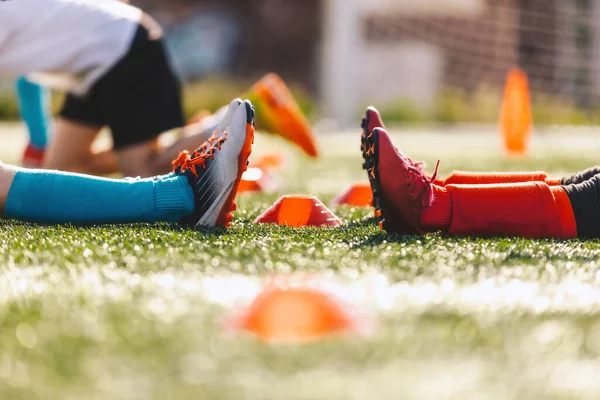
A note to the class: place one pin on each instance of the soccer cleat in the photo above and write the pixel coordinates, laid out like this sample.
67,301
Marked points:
400,188
278,112
224,116
33,157
214,170
219,132
371,120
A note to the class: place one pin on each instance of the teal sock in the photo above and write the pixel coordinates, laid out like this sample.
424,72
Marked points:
35,110
58,197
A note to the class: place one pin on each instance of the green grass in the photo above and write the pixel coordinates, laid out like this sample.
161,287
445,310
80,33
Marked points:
135,312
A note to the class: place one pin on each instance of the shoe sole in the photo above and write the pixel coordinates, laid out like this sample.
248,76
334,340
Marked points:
364,148
370,147
225,214
363,139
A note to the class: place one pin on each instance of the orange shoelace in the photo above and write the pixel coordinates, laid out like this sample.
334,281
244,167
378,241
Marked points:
206,147
192,164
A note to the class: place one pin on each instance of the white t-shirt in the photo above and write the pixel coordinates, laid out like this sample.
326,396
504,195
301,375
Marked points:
65,44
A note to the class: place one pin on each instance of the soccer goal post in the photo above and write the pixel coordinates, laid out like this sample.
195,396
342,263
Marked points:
341,48
414,51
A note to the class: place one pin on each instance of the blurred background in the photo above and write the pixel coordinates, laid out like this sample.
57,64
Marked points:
418,60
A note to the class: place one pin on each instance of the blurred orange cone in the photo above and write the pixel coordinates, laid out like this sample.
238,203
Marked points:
269,161
299,211
256,180
357,195
515,116
294,315
278,112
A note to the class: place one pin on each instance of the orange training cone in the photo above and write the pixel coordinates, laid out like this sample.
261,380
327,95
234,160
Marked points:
294,315
515,116
357,195
269,161
278,112
256,180
299,211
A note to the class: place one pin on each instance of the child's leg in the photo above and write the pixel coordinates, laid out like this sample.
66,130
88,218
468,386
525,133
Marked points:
531,209
57,197
407,201
35,111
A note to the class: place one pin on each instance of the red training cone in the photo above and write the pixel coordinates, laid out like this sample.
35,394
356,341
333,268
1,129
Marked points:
357,195
299,211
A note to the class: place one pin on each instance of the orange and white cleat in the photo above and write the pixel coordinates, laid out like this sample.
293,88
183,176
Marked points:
279,113
214,171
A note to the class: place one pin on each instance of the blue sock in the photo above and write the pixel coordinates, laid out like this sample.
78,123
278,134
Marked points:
58,197
35,111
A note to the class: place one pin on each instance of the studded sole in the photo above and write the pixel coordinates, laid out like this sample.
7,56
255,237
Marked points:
370,148
226,215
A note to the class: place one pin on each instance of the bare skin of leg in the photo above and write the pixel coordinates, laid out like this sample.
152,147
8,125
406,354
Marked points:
148,159
7,174
161,163
71,150
103,162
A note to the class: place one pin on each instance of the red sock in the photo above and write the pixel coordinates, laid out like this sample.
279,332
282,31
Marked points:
480,178
528,209
439,214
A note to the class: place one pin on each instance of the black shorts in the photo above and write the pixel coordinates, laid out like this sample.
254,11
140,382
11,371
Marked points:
138,99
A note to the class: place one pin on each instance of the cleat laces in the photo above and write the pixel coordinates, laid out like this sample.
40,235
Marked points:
205,148
199,158
420,184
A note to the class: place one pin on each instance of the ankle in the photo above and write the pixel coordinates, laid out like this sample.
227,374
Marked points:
438,216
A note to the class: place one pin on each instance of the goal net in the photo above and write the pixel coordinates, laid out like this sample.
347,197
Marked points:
448,59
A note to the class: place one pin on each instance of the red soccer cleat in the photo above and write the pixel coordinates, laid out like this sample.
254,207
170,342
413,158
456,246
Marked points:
401,190
371,121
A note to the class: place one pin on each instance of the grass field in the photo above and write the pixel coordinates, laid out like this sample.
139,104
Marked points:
134,312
